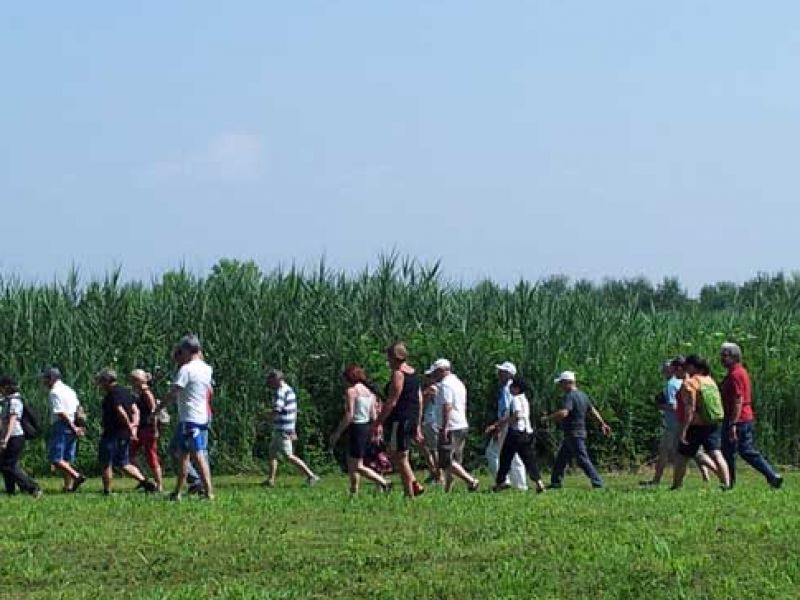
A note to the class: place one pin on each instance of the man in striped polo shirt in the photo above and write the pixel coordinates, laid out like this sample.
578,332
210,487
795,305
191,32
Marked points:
284,421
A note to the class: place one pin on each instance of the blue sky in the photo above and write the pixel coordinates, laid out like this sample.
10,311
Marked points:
509,139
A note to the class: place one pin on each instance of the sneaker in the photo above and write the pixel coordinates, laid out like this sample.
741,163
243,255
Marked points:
499,487
79,481
417,489
148,486
37,493
196,488
385,488
139,486
473,487
174,497
312,481
777,482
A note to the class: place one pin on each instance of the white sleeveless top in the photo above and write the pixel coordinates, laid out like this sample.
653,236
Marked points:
362,409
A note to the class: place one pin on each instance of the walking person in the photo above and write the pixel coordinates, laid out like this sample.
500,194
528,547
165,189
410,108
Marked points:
516,474
701,421
284,429
194,483
12,440
519,441
359,412
402,416
120,423
572,419
192,390
738,432
430,432
451,411
147,436
65,431
674,372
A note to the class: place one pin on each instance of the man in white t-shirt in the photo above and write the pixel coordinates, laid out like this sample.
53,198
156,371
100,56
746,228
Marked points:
451,414
192,391
65,431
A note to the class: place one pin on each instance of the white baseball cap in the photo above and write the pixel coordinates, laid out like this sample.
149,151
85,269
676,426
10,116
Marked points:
565,376
508,367
439,363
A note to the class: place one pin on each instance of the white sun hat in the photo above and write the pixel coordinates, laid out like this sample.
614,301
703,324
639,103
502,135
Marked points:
565,376
439,363
507,367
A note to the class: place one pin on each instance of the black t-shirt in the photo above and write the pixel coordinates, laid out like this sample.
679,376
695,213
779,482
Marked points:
145,414
113,423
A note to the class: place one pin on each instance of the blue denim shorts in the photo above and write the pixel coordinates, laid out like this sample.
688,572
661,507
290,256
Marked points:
113,452
63,443
193,437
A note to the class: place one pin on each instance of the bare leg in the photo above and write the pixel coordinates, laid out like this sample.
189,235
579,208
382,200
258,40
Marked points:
301,466
679,472
107,475
352,471
722,468
183,469
704,465
133,472
69,473
273,470
401,464
368,473
199,458
460,472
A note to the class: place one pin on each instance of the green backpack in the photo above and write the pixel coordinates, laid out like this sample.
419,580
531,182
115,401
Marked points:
710,407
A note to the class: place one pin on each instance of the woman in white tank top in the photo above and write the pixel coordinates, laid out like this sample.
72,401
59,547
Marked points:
359,412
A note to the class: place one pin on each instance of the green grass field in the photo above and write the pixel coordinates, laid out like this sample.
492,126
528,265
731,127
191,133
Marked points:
296,542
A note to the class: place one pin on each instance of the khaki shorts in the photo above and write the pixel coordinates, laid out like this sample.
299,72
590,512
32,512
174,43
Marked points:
281,445
431,434
452,450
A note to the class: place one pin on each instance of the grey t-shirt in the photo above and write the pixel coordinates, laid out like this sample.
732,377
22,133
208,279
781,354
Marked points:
577,403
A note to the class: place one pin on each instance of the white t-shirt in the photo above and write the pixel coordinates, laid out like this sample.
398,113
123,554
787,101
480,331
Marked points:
194,381
451,391
63,399
520,406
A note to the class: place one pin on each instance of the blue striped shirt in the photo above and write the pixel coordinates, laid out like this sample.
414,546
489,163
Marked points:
284,409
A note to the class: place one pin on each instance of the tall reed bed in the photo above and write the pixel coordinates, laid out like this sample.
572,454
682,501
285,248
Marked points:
311,324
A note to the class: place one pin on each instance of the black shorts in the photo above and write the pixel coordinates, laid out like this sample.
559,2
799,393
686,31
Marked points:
707,436
358,440
399,434
113,452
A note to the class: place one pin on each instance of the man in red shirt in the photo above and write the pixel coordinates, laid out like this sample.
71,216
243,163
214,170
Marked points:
738,432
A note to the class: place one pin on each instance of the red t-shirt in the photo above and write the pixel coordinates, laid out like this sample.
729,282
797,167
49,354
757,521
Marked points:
737,385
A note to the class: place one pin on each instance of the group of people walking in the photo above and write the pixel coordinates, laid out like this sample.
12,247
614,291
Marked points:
702,421
709,423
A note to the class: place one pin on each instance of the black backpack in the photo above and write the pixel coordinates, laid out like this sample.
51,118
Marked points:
30,423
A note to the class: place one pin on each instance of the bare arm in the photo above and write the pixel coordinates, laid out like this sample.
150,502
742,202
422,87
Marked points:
395,389
12,420
599,419
558,415
347,418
